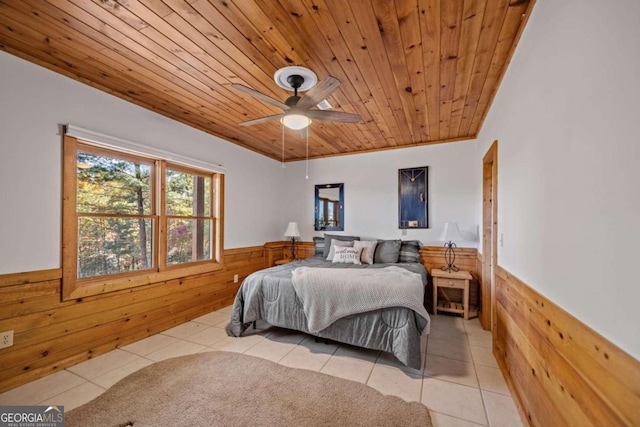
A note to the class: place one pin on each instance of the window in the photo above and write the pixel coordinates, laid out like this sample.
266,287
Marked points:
130,220
188,210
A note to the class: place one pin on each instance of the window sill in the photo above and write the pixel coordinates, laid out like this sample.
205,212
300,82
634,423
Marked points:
73,289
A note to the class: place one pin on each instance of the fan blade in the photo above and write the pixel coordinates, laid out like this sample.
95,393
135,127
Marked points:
261,96
262,120
333,116
318,93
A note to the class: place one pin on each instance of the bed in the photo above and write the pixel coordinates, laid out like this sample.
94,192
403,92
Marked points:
279,296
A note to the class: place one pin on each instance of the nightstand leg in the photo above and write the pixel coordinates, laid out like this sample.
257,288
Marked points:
435,297
466,300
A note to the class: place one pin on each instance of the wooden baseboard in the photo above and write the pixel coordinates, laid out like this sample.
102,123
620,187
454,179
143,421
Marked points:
50,334
560,371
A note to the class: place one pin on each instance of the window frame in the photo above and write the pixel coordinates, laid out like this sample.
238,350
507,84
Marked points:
74,287
162,250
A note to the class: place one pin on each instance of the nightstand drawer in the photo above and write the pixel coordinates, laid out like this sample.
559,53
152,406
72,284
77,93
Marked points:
451,283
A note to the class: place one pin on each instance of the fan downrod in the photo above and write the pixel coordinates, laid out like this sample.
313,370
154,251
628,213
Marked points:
295,81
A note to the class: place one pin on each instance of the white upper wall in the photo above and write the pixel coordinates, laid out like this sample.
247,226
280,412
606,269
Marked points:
371,191
35,101
567,118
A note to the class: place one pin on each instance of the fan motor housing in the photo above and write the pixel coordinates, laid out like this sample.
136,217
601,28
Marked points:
292,101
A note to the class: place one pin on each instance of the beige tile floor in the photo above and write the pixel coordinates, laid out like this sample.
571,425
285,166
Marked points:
460,382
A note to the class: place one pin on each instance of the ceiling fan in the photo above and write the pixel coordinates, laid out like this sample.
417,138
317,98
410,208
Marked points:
297,110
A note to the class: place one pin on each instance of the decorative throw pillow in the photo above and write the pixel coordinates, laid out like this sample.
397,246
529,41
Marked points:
318,244
387,251
368,250
410,251
336,244
347,255
329,237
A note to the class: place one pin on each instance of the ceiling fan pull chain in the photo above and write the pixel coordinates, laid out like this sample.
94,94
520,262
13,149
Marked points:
307,177
283,166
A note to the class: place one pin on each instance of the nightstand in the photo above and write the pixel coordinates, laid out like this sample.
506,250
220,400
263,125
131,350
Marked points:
282,261
452,280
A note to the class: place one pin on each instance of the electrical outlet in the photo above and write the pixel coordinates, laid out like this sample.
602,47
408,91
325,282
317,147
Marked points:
6,339
235,278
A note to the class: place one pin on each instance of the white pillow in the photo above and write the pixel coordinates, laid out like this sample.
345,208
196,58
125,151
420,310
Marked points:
368,249
347,255
340,243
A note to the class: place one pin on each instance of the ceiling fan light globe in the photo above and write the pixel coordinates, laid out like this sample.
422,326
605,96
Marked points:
295,121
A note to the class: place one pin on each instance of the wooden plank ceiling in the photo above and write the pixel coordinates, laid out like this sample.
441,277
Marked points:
417,71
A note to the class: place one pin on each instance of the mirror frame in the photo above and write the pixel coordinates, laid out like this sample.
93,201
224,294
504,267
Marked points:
316,222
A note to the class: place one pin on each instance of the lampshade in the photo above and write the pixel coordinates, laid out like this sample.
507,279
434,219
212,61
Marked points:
451,233
295,121
292,230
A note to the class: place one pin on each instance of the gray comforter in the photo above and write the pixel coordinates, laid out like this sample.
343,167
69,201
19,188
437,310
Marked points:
269,295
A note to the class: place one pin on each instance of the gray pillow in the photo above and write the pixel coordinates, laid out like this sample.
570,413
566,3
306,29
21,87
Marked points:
410,251
387,251
327,242
318,244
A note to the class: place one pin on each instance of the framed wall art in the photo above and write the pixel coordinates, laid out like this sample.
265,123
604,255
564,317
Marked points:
413,201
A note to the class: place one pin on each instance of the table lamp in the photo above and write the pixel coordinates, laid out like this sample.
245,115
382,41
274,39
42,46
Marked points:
293,233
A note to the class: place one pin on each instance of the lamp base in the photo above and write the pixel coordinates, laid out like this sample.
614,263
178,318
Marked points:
293,250
450,257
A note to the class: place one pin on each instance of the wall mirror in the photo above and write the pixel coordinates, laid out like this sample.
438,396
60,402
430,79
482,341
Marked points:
329,211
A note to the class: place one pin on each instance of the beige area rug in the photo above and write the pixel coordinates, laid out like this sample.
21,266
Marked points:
231,389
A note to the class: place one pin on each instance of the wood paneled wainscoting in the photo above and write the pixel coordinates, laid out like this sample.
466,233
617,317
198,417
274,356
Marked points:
50,335
274,251
430,256
560,371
